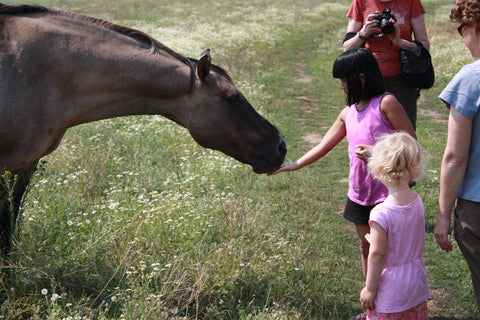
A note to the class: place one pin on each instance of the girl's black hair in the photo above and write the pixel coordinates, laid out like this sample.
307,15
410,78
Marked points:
349,65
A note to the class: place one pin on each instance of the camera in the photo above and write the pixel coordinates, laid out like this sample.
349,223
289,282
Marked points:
384,21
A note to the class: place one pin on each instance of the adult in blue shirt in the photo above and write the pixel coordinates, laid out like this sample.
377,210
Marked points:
460,173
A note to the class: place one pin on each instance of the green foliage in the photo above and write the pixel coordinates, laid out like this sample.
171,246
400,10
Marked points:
130,219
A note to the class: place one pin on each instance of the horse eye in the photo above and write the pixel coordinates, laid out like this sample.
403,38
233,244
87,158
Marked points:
232,97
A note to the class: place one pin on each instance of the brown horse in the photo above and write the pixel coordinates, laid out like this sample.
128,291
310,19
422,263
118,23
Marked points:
60,69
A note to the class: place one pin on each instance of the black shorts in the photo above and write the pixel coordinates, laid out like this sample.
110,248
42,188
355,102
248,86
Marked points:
357,213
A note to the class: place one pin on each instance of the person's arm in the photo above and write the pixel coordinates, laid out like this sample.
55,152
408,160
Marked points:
419,32
363,30
376,260
393,112
333,136
356,41
454,164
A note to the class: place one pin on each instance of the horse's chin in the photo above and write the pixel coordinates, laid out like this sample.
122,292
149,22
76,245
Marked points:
263,166
260,160
262,170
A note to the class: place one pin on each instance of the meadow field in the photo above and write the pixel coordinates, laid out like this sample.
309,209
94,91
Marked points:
130,219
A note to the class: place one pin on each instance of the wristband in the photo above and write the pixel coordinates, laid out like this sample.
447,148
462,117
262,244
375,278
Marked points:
362,37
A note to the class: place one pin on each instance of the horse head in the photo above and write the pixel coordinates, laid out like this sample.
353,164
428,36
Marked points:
238,130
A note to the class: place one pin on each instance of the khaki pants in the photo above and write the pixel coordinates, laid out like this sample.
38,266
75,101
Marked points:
467,234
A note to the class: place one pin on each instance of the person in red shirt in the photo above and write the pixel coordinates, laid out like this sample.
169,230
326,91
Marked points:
363,30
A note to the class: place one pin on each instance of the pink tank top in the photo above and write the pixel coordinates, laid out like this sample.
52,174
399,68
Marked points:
364,127
403,283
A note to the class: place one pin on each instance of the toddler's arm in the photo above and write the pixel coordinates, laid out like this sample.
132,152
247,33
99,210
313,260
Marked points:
376,260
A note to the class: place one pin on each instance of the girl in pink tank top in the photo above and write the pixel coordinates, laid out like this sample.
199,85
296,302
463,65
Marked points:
364,126
370,112
396,286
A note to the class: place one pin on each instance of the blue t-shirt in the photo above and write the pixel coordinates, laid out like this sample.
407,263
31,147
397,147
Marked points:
463,93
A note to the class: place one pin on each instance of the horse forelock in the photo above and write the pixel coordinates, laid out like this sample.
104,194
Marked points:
156,46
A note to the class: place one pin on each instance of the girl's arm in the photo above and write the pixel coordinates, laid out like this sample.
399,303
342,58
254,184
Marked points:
376,260
394,113
333,136
454,164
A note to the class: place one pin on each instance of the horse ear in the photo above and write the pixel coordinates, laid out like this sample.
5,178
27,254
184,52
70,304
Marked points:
203,67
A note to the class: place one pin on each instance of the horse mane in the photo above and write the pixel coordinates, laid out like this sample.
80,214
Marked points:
156,46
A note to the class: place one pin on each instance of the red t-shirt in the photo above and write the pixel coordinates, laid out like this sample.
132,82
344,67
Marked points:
382,48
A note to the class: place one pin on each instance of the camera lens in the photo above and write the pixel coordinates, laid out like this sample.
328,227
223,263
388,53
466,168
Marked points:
386,26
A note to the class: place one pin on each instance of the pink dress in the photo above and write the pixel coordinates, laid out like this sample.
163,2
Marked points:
365,127
403,282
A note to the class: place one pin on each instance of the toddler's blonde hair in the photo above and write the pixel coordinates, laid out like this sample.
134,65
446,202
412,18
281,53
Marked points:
395,157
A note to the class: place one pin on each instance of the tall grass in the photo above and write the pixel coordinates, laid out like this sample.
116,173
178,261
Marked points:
130,219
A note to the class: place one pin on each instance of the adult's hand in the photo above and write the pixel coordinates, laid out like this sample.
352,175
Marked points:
370,26
441,230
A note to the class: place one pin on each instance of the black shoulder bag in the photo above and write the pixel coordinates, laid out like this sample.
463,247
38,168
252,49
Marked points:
417,67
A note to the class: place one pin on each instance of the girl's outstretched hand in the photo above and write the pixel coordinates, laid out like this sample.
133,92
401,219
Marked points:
289,166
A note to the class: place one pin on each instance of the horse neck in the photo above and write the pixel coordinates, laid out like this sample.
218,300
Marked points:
96,73
122,86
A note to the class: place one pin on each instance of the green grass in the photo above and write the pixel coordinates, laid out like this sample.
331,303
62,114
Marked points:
130,219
